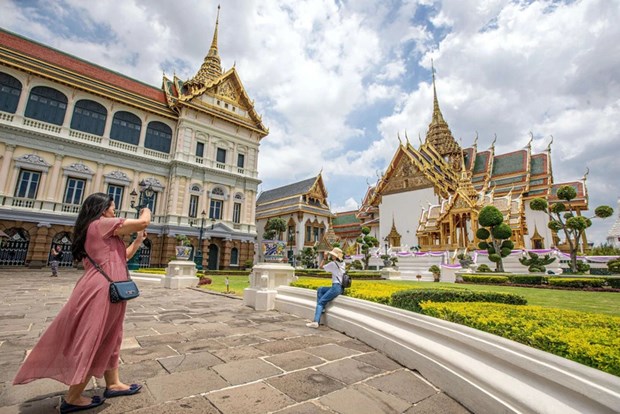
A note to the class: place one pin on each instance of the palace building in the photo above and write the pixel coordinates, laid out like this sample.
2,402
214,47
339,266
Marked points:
69,128
430,196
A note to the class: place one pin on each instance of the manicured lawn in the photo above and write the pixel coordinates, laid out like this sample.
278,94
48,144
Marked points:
236,284
594,302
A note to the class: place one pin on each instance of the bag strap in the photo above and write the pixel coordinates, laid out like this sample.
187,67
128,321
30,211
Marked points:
103,272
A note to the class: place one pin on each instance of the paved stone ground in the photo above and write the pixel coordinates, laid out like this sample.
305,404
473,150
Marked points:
197,352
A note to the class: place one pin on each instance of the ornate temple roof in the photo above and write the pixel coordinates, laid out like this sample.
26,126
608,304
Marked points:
346,225
215,92
307,195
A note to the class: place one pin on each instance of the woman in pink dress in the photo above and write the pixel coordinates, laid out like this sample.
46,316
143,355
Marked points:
84,340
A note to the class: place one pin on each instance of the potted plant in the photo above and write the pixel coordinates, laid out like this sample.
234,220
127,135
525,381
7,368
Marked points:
183,247
386,260
434,269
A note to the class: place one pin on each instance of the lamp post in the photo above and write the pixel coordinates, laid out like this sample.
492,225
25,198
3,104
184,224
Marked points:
144,199
198,255
290,246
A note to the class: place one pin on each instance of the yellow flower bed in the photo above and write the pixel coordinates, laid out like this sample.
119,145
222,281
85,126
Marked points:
587,338
380,292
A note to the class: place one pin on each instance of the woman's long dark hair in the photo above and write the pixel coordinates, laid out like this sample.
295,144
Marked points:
92,208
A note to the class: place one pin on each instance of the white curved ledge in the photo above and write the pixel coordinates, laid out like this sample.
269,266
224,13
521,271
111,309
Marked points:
484,372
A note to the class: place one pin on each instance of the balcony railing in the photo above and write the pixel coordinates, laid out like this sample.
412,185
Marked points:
27,206
101,141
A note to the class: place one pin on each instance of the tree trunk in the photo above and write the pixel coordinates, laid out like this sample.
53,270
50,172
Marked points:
499,266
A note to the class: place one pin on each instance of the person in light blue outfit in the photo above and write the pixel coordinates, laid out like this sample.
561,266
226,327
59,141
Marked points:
326,294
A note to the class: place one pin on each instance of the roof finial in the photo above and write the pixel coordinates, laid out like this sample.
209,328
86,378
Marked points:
420,138
406,137
398,136
585,175
217,23
437,116
494,140
476,141
529,144
549,146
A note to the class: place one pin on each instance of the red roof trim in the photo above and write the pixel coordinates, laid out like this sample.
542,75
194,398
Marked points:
63,60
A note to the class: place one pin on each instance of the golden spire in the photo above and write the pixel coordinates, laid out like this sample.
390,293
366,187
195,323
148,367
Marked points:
439,134
437,116
211,68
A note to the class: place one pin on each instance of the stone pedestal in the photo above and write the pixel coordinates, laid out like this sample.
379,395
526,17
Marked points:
264,279
449,274
390,273
180,274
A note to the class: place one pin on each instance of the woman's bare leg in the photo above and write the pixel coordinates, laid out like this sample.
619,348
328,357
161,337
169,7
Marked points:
74,394
113,381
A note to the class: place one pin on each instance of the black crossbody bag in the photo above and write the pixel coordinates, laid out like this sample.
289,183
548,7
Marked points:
119,291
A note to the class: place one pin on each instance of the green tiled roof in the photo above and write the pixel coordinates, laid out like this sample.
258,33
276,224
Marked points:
509,163
345,219
481,162
538,166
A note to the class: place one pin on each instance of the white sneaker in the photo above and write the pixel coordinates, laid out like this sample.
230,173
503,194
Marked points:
312,325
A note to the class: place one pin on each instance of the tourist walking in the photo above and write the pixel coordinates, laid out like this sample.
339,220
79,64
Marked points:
84,339
326,294
56,257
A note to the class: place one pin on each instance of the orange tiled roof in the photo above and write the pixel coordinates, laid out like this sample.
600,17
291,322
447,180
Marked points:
54,57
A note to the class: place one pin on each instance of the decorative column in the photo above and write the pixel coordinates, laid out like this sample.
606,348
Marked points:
4,169
53,182
41,246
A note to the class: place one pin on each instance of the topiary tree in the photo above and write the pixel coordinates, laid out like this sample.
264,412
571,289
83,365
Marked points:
274,228
308,257
536,263
614,265
366,242
483,268
494,235
562,217
436,271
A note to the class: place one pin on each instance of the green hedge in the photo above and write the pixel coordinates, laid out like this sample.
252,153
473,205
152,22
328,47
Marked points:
411,299
587,338
613,282
486,279
527,279
577,282
225,272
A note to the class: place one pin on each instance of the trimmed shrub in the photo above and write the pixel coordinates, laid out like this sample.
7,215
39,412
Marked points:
577,282
527,279
483,268
495,280
613,282
411,299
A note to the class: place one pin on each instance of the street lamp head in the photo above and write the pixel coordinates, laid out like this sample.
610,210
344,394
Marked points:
149,192
133,196
203,214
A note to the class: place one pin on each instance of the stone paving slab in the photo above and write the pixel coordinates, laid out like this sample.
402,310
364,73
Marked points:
196,352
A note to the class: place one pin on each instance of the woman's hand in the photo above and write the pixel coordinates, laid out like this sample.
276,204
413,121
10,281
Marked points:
140,236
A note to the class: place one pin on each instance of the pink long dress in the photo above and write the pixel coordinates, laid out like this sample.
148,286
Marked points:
84,340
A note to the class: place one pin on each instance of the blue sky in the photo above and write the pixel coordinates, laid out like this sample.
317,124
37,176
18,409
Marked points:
337,80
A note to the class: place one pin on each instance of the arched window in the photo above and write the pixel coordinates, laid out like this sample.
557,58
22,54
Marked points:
234,256
89,116
10,89
126,128
158,137
47,105
217,191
